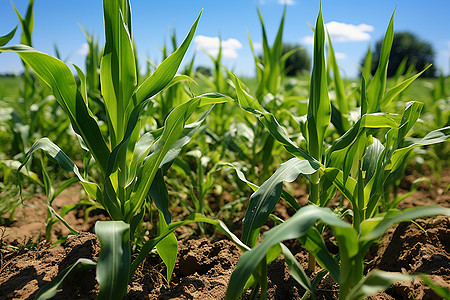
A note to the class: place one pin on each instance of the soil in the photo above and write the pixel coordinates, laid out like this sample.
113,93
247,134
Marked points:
204,264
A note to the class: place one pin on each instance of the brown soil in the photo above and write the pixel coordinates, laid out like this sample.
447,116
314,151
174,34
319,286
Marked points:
204,265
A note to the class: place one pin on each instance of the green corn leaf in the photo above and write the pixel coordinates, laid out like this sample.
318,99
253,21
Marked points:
117,68
240,175
396,90
295,227
444,292
194,218
113,266
141,149
163,76
370,160
82,78
284,195
58,76
160,196
339,85
337,120
158,190
377,87
26,23
6,38
376,281
315,245
372,229
71,229
9,164
167,248
51,289
247,103
64,162
413,189
275,59
279,133
334,155
410,115
296,270
185,137
434,137
259,66
367,67
165,71
346,187
173,130
263,201
353,155
319,107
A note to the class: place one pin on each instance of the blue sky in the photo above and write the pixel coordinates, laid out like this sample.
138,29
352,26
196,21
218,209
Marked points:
353,26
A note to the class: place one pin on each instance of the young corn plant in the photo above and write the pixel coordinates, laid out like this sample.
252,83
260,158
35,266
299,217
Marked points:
269,94
131,164
357,164
175,94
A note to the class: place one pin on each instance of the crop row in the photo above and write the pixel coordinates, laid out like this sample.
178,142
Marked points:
149,143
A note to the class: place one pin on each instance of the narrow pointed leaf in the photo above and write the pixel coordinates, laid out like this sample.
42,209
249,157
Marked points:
377,87
296,270
173,130
263,201
59,78
51,289
295,227
396,90
319,107
167,248
434,137
194,218
376,281
64,162
6,38
166,70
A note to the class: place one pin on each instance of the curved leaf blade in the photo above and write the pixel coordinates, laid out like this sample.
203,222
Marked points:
7,37
295,227
264,199
59,78
50,289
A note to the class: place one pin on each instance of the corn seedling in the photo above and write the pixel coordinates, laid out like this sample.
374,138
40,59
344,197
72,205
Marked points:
131,164
357,164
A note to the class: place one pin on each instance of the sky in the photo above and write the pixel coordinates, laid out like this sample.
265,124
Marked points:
354,25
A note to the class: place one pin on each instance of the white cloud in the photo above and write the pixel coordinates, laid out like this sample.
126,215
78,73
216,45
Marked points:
84,49
211,45
340,55
308,40
287,2
283,2
257,47
343,32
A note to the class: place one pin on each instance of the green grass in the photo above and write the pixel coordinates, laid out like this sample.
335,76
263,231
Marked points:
9,87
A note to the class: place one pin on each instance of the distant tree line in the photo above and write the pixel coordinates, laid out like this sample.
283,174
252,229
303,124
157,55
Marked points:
407,45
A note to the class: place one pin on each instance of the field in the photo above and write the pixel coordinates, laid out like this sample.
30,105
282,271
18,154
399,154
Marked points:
176,184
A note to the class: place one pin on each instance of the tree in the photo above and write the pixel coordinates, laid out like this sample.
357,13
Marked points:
407,45
298,62
204,70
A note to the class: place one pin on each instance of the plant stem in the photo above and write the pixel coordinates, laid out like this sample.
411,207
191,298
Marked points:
313,198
